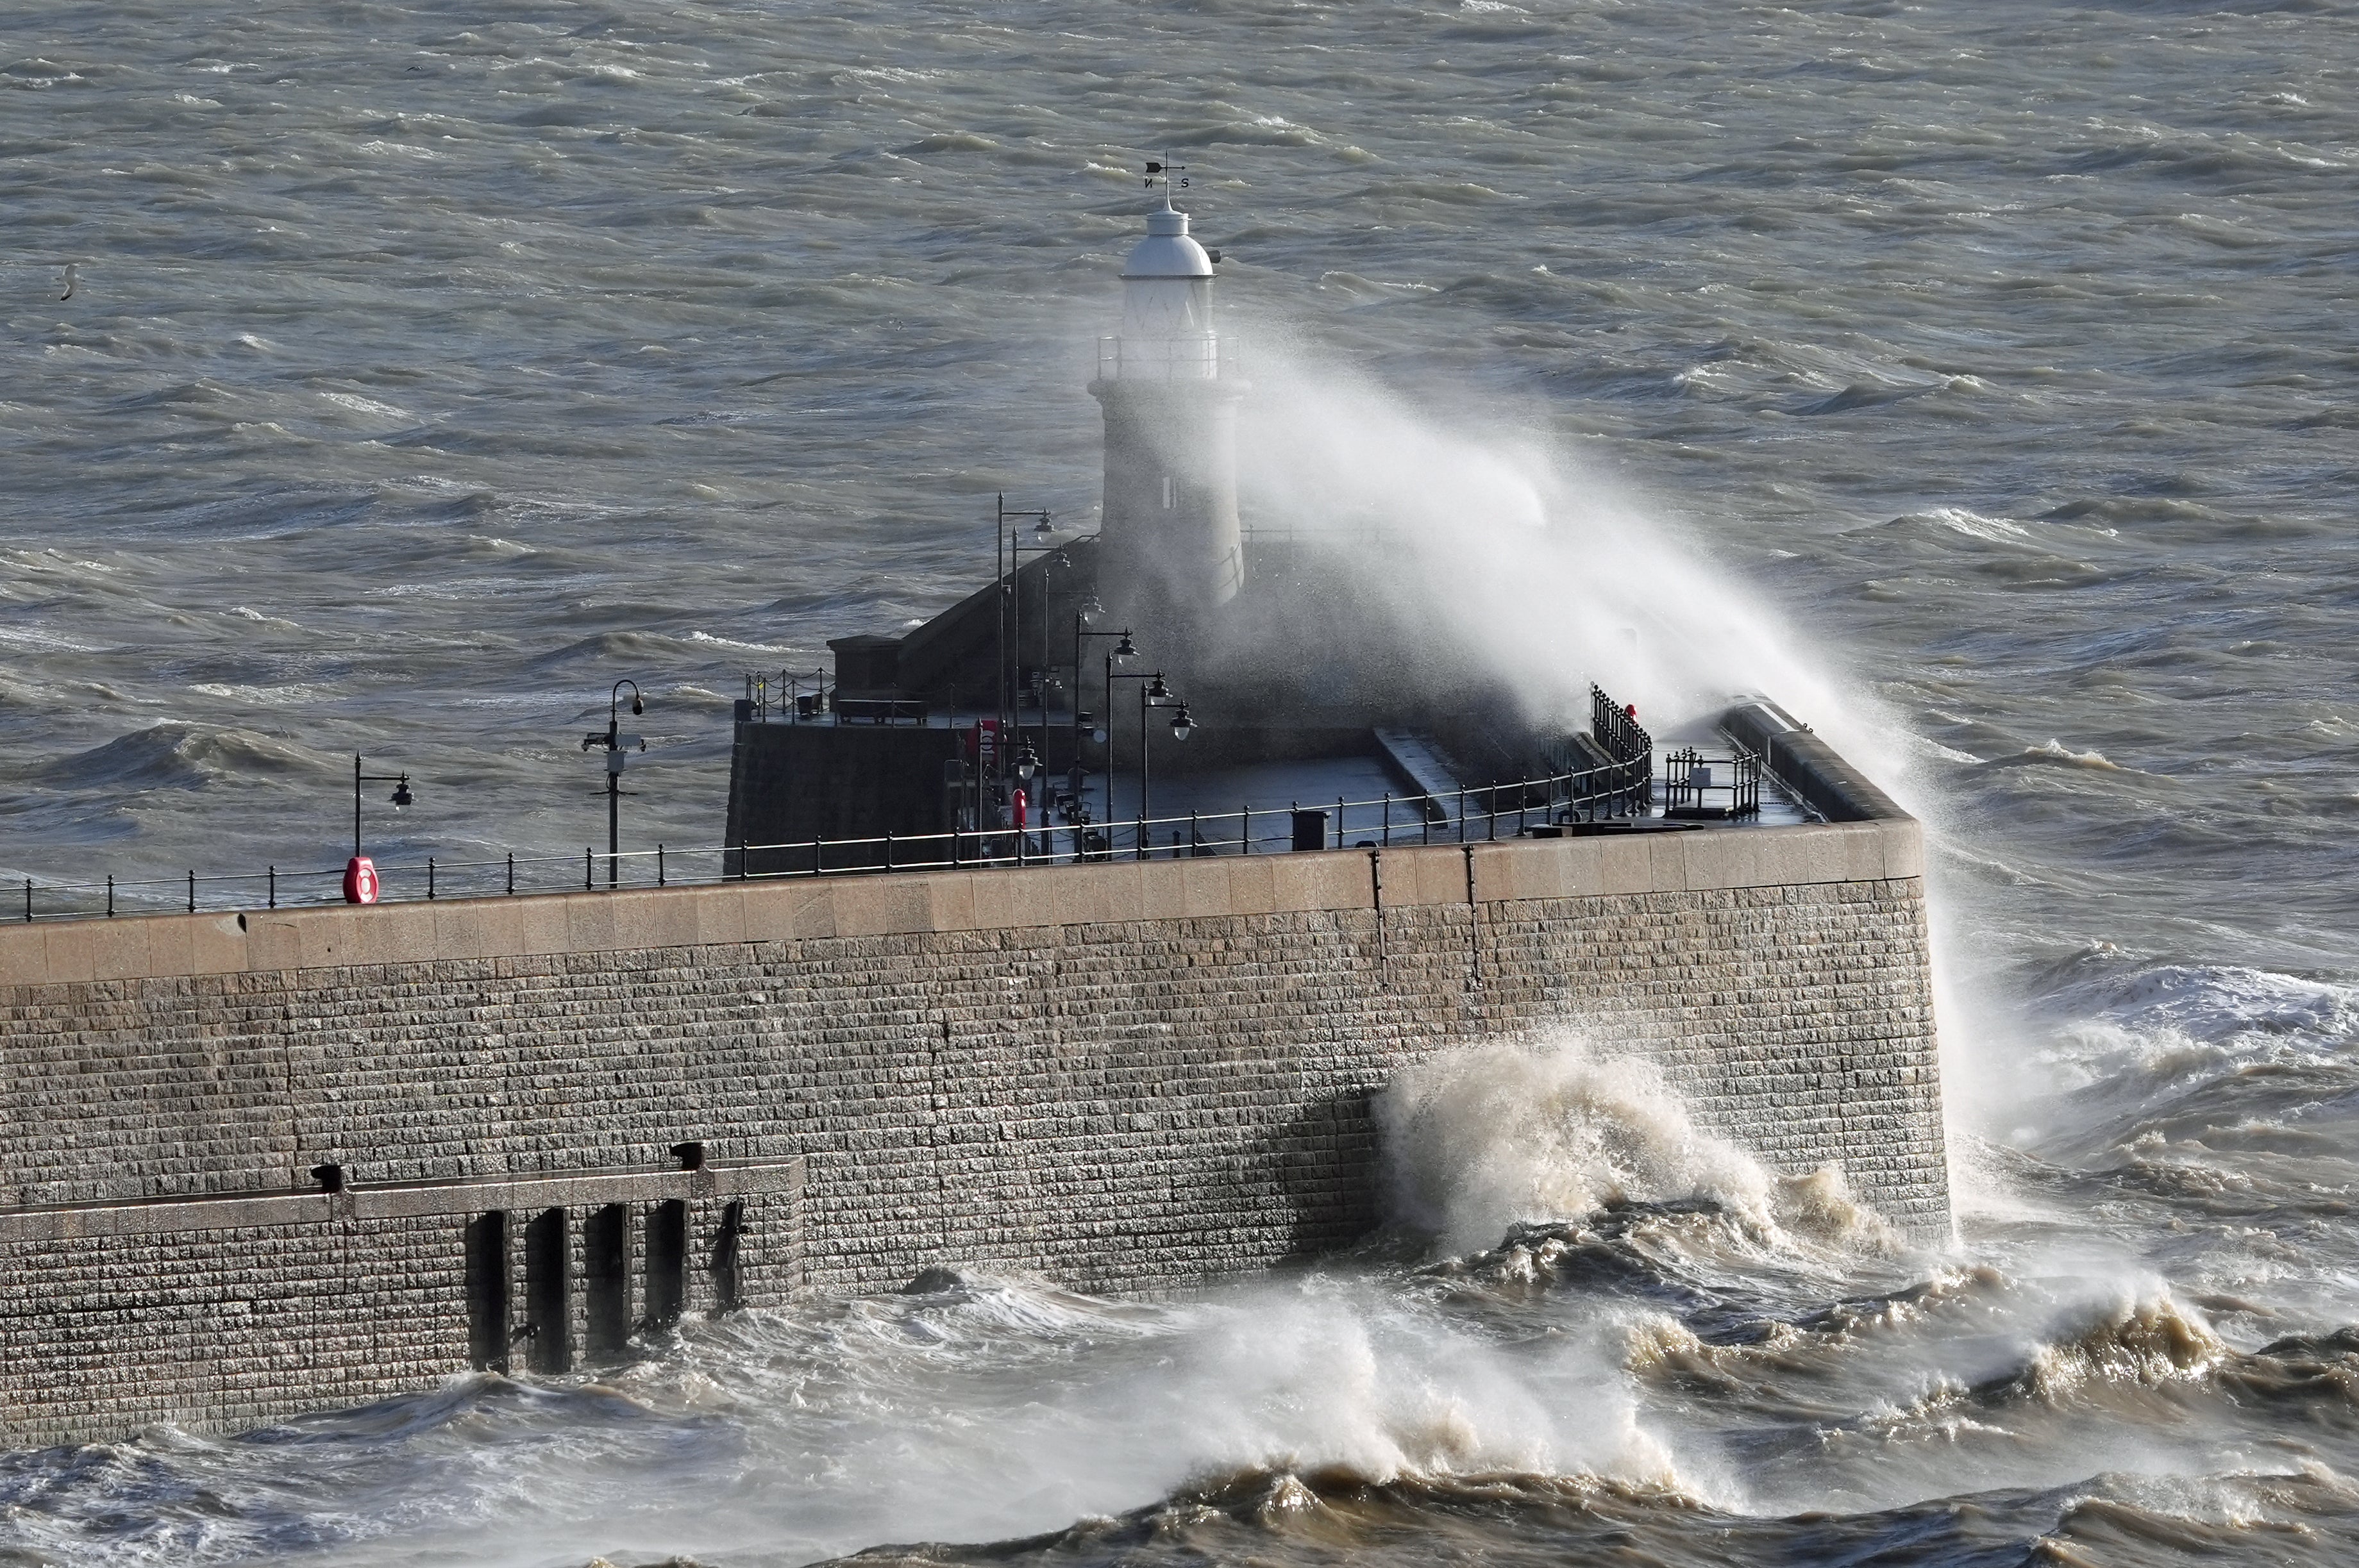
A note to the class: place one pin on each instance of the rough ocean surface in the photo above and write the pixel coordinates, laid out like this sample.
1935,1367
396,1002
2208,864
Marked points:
1979,378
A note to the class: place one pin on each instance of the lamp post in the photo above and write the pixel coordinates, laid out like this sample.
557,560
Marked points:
360,871
1009,550
1122,649
616,744
1155,693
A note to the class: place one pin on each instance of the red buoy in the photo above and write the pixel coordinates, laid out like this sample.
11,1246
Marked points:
360,879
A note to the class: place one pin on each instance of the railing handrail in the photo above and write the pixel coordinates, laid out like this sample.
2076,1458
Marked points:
1564,793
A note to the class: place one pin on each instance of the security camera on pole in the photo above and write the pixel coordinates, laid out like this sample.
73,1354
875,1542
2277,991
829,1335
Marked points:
617,746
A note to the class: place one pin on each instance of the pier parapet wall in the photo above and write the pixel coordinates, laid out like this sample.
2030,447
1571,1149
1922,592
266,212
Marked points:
1121,1076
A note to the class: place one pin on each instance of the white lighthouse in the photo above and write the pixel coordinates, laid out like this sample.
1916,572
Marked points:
1172,554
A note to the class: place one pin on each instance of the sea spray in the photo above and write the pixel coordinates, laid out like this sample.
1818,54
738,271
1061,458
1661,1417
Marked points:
1482,1141
1547,572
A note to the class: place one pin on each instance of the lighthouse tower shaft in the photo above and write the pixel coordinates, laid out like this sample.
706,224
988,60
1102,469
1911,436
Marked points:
1171,552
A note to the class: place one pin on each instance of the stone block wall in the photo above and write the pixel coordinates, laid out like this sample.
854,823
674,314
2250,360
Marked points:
1125,1075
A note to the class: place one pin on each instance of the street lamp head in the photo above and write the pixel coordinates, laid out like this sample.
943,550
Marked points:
638,703
1181,725
1126,649
1157,691
1027,765
401,795
1041,530
1092,608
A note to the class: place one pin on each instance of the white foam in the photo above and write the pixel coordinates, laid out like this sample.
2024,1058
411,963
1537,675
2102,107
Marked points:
1479,1141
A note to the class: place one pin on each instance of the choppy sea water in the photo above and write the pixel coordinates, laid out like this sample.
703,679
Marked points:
1979,380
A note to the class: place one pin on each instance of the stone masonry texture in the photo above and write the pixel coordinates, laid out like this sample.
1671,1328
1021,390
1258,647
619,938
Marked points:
1148,1092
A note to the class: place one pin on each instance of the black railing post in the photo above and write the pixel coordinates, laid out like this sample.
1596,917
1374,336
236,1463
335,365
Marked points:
888,851
589,870
28,901
109,895
511,872
659,864
429,879
1244,830
274,887
192,892
818,857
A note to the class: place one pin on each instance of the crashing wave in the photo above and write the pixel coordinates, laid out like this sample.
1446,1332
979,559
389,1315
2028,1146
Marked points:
1481,1142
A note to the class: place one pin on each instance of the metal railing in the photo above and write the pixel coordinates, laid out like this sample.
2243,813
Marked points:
793,695
1161,358
1696,787
1620,735
1477,812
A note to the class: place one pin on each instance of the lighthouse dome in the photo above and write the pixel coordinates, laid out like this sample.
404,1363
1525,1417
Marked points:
1167,252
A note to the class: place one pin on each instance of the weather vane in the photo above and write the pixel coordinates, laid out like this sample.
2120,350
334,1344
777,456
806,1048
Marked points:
1173,175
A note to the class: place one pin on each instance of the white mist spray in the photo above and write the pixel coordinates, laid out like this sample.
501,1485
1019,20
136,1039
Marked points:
1554,575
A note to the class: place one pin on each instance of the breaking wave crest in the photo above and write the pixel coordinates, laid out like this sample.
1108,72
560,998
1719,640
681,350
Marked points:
1483,1141
173,756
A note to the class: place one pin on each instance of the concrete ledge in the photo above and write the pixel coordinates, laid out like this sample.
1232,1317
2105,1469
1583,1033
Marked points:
1808,766
70,1221
1882,848
395,1200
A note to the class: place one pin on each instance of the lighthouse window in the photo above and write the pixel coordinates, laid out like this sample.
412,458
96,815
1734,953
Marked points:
1166,492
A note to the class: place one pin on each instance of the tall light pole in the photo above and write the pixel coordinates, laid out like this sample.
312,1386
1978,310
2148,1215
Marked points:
616,744
1124,649
1155,693
1008,549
